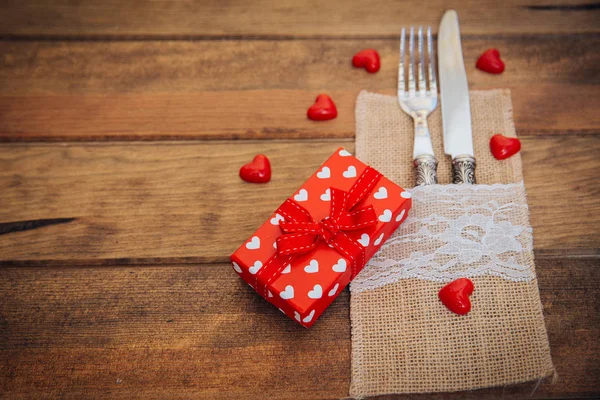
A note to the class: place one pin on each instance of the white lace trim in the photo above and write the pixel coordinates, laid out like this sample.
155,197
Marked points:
456,231
467,188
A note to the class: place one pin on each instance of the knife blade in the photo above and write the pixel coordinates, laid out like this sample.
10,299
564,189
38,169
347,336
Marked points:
454,95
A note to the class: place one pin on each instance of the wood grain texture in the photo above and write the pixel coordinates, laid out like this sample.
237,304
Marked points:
184,202
199,331
255,114
161,332
109,67
114,18
215,89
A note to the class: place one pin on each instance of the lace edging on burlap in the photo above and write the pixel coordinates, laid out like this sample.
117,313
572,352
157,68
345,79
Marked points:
456,231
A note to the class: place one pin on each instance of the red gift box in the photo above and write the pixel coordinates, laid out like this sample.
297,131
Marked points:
319,239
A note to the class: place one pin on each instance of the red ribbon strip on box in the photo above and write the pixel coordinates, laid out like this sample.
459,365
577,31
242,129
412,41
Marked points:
302,232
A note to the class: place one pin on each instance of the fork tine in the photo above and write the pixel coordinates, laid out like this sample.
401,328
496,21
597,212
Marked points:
401,84
432,73
422,87
411,66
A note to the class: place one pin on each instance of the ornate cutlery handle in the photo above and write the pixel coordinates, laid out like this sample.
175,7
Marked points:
463,170
426,167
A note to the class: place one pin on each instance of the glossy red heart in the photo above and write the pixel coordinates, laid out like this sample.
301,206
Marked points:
503,147
369,59
490,62
323,109
455,295
257,171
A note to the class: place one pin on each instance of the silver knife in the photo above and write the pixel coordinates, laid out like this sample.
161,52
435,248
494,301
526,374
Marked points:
454,94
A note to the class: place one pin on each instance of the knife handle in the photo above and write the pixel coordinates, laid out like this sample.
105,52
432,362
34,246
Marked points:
463,169
426,166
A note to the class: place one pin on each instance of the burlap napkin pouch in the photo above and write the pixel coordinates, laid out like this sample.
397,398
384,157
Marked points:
403,338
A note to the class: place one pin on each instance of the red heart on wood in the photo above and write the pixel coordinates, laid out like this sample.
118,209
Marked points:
368,58
490,62
455,295
257,171
503,147
323,109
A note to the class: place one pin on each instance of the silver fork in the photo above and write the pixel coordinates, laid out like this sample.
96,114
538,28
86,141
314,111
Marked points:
418,102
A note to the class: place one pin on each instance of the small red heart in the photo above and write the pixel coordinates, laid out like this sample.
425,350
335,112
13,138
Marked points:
455,295
257,171
323,109
503,147
368,58
490,62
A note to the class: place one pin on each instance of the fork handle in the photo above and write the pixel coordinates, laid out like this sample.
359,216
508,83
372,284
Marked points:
426,166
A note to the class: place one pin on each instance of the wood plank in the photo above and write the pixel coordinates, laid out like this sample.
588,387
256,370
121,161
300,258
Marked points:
177,90
567,188
249,115
257,114
108,67
184,202
161,332
109,18
198,331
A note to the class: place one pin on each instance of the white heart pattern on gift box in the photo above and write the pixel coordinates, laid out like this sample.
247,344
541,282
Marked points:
254,243
333,291
350,172
254,269
324,173
344,153
364,240
301,196
288,293
381,193
386,216
377,242
400,216
312,267
309,317
340,266
405,195
287,269
275,220
316,292
326,196
236,267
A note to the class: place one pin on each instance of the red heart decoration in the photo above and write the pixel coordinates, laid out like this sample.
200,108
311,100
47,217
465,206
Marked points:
323,109
368,58
503,147
455,295
490,62
257,171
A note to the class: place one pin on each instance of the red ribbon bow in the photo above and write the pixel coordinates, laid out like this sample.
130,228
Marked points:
302,233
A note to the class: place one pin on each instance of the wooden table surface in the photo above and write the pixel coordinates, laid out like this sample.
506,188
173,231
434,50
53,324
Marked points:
122,129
